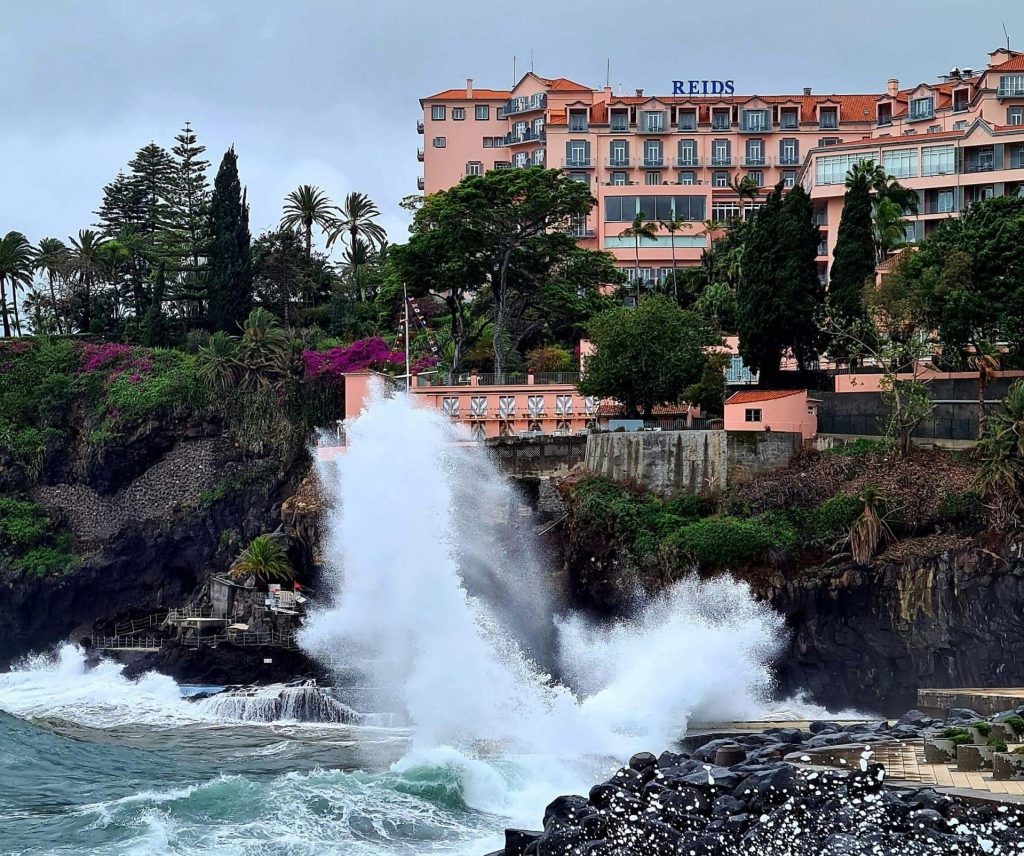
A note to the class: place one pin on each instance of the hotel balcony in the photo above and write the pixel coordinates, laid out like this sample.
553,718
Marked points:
578,163
721,161
580,233
619,163
419,155
419,127
761,161
1010,90
689,162
527,136
653,163
419,183
515,106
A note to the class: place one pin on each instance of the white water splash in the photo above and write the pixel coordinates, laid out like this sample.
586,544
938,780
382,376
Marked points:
449,641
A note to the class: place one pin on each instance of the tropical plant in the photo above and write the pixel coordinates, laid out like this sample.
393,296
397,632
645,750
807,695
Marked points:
639,229
51,259
870,529
216,363
746,189
265,559
87,264
1001,453
262,351
673,225
306,207
17,261
357,218
985,361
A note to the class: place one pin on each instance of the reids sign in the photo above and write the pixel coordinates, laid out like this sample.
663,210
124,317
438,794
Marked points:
703,87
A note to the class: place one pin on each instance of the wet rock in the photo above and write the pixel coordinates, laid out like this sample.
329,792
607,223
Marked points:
915,718
707,752
963,714
566,809
642,761
517,840
726,805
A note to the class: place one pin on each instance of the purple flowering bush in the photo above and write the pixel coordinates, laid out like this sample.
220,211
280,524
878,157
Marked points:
371,353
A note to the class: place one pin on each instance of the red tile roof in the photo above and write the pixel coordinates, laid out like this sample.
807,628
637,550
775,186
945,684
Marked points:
657,410
563,84
461,95
1015,63
749,396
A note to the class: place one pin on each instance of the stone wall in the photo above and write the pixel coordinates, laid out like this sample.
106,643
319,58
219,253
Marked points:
534,457
693,462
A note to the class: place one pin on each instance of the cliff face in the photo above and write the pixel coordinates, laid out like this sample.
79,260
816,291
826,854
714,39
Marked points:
148,518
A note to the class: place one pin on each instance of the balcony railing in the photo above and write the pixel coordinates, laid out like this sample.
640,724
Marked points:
1010,90
489,379
419,155
527,136
683,127
884,121
577,126
721,161
419,182
525,105
788,124
688,161
619,127
754,161
789,160
920,115
580,233
654,162
979,166
577,163
618,162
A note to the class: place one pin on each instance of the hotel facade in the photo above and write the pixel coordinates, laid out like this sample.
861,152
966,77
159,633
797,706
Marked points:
954,141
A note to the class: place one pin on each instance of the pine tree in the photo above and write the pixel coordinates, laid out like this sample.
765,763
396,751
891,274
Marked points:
853,260
229,282
191,216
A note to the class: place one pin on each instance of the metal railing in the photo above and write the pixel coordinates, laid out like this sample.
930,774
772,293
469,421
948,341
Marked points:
128,643
525,104
129,628
190,612
577,163
556,377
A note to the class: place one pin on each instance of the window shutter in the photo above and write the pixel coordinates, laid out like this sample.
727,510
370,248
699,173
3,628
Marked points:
997,156
586,150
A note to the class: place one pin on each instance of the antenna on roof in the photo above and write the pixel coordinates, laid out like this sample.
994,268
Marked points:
513,71
608,72
1007,35
531,59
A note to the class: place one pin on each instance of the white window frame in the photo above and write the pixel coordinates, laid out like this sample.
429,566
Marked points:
620,179
438,112
450,406
458,114
474,168
482,112
900,163
1011,84
938,160
652,177
833,113
439,142
921,108
753,415
687,177
654,121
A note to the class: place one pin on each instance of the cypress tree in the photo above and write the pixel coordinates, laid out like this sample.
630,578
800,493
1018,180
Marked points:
761,317
229,281
853,261
799,291
154,331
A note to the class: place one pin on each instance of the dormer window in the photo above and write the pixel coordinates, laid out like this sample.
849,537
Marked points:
654,121
922,108
620,120
719,120
788,119
687,120
755,120
828,117
578,120
884,114
960,101
1011,86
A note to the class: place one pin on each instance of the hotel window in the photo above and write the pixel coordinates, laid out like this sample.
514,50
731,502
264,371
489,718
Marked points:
720,153
832,169
900,163
884,115
687,120
960,126
519,130
538,157
474,168
645,275
687,151
535,405
687,176
437,112
752,414
488,142
719,120
960,101
828,117
1011,85
458,113
1015,115
521,159
938,160
829,141
789,151
652,153
450,407
619,178
537,126
921,108
755,120
578,120
942,201
720,179
478,406
725,211
439,142
756,175
500,112
654,121
788,119
620,120
755,152
581,177
482,112
618,153
507,406
563,405
577,153
788,178
503,165
652,177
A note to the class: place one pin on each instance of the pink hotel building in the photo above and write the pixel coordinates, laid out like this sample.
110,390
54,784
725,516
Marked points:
955,141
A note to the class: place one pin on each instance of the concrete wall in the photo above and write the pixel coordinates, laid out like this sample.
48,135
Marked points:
536,457
694,462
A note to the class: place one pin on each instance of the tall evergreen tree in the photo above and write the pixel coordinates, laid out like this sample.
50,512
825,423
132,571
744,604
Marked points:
853,260
154,332
761,319
191,203
229,282
799,289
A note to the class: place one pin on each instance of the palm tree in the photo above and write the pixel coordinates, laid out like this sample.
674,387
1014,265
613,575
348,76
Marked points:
51,259
16,266
640,228
261,351
869,530
673,225
87,262
1000,451
745,188
357,219
985,361
307,206
890,229
216,362
355,257
707,257
266,559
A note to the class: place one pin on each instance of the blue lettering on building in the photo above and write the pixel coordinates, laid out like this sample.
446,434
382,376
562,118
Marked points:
703,87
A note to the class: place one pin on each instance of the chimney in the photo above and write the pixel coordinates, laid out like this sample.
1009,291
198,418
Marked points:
1000,55
892,87
639,93
807,90
469,87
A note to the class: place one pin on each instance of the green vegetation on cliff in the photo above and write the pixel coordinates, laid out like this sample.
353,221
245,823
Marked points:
31,541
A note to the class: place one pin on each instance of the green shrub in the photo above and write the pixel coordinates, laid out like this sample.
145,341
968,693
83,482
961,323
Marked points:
959,736
723,541
997,745
45,561
170,382
1015,723
962,506
833,518
31,541
688,506
22,524
983,728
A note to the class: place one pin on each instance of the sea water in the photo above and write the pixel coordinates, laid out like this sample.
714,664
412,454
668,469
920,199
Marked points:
437,601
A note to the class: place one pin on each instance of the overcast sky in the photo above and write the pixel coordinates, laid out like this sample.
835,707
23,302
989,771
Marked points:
326,93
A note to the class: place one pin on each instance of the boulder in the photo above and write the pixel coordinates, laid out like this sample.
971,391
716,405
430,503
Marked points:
566,809
915,718
517,840
727,805
707,752
642,761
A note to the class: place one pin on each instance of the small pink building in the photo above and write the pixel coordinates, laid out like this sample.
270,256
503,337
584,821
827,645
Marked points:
772,410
